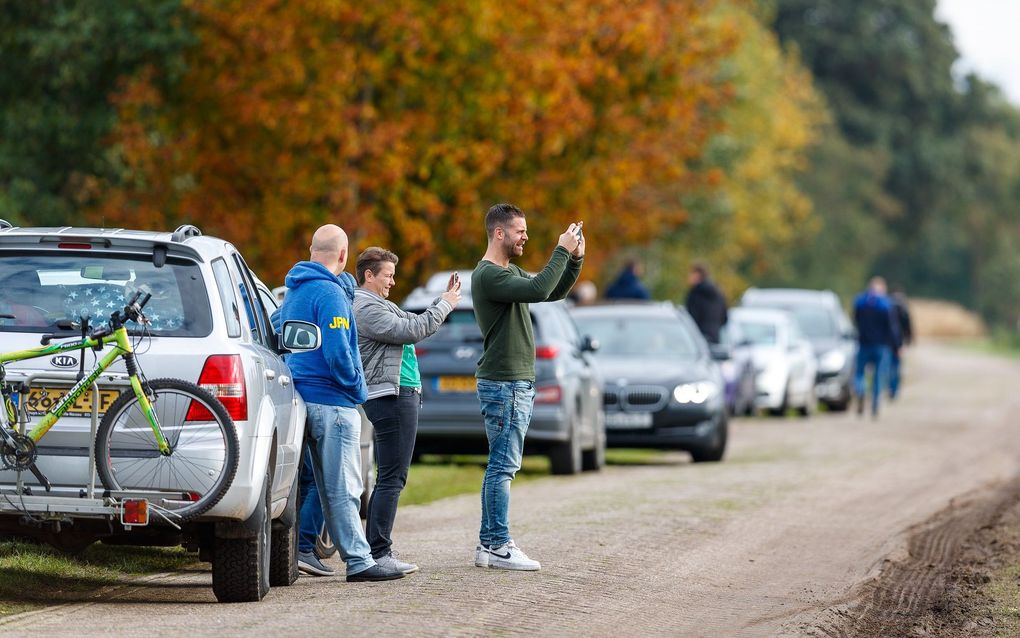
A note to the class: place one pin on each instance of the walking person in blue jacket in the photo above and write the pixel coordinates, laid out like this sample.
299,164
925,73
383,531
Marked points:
332,383
877,334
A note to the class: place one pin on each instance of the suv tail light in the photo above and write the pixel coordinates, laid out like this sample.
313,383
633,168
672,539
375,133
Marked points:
223,376
548,394
546,352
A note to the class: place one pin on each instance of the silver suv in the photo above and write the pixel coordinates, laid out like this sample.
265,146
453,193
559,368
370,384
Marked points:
209,325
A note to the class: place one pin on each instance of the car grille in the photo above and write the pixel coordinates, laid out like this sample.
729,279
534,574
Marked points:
644,398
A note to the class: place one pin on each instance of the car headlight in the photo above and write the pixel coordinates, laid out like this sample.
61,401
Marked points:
694,392
832,361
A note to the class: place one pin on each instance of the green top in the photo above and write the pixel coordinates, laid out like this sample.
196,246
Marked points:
500,297
410,377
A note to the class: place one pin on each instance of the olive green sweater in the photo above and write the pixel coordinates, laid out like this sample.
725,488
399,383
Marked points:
500,297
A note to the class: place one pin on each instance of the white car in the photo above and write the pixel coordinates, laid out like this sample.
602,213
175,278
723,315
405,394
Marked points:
784,361
209,325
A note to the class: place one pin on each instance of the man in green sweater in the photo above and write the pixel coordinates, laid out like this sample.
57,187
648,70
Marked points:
500,294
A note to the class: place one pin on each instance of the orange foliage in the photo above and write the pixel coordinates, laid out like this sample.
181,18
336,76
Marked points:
402,122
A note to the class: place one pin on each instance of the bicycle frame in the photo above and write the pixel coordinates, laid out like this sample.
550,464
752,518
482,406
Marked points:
119,338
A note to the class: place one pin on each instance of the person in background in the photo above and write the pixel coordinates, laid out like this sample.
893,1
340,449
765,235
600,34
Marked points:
628,283
906,334
501,292
705,302
386,338
584,293
877,335
331,381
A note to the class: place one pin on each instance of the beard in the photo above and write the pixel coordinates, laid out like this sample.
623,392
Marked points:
512,249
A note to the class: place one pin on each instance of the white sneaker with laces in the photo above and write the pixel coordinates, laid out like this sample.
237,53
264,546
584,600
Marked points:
481,556
510,556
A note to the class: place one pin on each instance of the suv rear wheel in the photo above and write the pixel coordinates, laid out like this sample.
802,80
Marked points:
241,565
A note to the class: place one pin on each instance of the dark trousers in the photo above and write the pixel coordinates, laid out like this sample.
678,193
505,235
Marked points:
395,420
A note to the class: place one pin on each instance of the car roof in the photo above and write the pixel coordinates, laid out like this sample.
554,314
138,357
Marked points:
627,308
185,240
753,296
770,315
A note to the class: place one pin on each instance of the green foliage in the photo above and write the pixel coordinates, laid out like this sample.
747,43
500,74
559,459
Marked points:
61,60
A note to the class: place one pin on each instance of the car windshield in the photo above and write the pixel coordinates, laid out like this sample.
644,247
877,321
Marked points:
759,333
38,290
814,321
639,337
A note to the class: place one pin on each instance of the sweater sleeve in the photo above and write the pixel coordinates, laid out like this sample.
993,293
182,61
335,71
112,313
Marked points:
504,286
383,321
567,279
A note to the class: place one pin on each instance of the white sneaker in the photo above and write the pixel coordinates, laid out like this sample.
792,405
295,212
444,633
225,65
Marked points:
510,556
391,562
481,557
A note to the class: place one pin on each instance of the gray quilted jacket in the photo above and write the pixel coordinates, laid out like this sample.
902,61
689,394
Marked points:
383,329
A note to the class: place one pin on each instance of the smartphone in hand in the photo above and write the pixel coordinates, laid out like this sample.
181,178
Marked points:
578,232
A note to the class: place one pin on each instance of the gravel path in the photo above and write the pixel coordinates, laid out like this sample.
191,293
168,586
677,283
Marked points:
779,539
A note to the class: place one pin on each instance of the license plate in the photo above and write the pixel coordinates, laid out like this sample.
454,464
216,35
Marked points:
41,400
628,420
455,384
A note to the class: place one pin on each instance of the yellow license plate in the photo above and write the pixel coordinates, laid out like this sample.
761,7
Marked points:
41,400
456,384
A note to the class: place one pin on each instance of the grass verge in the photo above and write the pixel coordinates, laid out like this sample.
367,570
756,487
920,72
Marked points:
34,576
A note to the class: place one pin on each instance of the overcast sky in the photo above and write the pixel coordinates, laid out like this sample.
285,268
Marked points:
987,34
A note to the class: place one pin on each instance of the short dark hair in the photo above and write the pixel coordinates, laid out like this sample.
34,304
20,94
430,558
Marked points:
372,259
499,216
701,268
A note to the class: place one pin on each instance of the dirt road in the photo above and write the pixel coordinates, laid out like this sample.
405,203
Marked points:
791,535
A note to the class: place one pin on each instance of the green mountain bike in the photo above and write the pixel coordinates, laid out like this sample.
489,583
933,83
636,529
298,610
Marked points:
168,440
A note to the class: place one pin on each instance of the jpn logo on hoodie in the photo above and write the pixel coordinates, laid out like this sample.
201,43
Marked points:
340,322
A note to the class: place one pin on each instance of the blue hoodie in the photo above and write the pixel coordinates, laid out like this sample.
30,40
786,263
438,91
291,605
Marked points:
332,374
876,324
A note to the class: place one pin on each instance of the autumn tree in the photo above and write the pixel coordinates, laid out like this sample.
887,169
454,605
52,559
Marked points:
403,121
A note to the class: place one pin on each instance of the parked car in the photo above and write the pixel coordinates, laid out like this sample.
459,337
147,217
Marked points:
662,387
821,318
210,325
783,359
567,423
737,365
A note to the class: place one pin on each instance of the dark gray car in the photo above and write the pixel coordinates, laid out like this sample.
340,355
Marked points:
662,387
823,322
567,423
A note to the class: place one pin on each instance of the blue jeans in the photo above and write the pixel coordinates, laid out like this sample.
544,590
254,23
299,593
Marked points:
506,406
878,358
308,502
335,449
894,374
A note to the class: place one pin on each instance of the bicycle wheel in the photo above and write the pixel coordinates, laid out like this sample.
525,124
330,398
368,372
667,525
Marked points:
203,448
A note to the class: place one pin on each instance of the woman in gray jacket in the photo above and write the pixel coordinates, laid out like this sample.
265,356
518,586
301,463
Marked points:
386,338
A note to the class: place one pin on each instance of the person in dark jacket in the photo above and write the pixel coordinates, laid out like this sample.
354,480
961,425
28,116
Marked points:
705,303
628,283
877,335
906,336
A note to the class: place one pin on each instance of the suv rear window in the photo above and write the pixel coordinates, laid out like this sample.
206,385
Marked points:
41,289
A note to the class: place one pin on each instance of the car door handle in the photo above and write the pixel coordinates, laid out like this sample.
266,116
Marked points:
270,374
284,380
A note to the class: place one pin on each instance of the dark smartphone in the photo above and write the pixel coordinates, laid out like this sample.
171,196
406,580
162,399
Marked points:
456,278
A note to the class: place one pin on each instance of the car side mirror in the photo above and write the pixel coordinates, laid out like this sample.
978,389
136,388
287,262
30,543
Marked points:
301,336
720,351
588,344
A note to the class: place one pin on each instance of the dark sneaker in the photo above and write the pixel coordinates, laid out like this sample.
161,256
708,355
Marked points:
374,573
309,563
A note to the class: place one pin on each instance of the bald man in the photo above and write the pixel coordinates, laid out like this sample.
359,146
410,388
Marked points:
332,383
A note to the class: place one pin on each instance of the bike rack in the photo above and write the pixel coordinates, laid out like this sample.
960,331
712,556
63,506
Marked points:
108,506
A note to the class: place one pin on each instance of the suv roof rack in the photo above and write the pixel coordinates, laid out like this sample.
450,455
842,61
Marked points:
5,224
185,231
